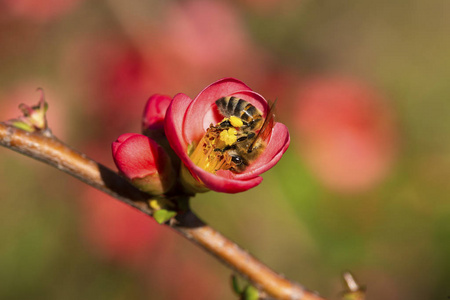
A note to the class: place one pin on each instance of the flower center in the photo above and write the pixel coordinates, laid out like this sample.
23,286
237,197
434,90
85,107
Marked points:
211,153
228,136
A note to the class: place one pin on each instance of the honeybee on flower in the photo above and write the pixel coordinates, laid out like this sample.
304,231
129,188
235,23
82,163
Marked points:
226,137
237,140
221,140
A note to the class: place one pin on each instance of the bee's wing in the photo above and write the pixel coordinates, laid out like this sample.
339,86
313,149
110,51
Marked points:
266,128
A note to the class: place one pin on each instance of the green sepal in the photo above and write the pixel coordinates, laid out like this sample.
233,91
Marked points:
163,215
357,295
22,125
235,285
190,184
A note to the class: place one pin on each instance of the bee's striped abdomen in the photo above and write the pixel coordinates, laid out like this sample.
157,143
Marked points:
251,132
249,113
233,106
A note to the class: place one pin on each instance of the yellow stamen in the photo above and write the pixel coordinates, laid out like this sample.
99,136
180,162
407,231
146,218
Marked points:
154,204
236,122
229,136
207,154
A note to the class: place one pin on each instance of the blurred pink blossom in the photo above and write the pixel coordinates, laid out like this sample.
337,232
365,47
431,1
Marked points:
207,34
187,45
207,39
38,10
115,231
113,79
182,278
346,133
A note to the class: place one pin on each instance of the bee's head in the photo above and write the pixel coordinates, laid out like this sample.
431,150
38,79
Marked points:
238,163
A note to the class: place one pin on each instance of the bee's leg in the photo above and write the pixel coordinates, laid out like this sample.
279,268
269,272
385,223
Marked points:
225,124
255,123
225,149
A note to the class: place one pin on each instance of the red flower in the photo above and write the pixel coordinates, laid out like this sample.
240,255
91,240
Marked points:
347,133
188,120
144,162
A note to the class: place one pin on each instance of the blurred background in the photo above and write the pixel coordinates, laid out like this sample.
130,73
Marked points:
362,85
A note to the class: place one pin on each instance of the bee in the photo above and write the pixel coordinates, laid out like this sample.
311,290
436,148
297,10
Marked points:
251,135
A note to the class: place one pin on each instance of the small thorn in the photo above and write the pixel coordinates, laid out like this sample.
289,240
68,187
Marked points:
350,281
353,291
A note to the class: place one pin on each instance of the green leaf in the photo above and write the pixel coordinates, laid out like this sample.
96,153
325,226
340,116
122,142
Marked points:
22,125
161,216
250,293
235,285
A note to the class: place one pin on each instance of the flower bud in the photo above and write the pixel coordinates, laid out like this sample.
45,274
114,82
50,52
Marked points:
144,162
34,118
154,114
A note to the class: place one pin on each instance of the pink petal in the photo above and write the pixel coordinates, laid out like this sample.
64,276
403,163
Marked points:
120,140
212,116
223,184
155,111
278,144
137,156
254,98
204,102
174,124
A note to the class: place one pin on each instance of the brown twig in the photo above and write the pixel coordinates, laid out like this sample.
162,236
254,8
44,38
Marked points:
50,150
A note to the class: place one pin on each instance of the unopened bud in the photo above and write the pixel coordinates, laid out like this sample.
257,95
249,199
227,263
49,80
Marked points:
144,162
153,118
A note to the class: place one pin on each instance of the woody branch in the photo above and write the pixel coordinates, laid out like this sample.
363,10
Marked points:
50,150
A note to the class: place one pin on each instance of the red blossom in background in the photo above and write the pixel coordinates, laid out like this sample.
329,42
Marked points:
39,10
208,39
194,278
346,133
144,162
111,75
187,121
115,231
205,30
